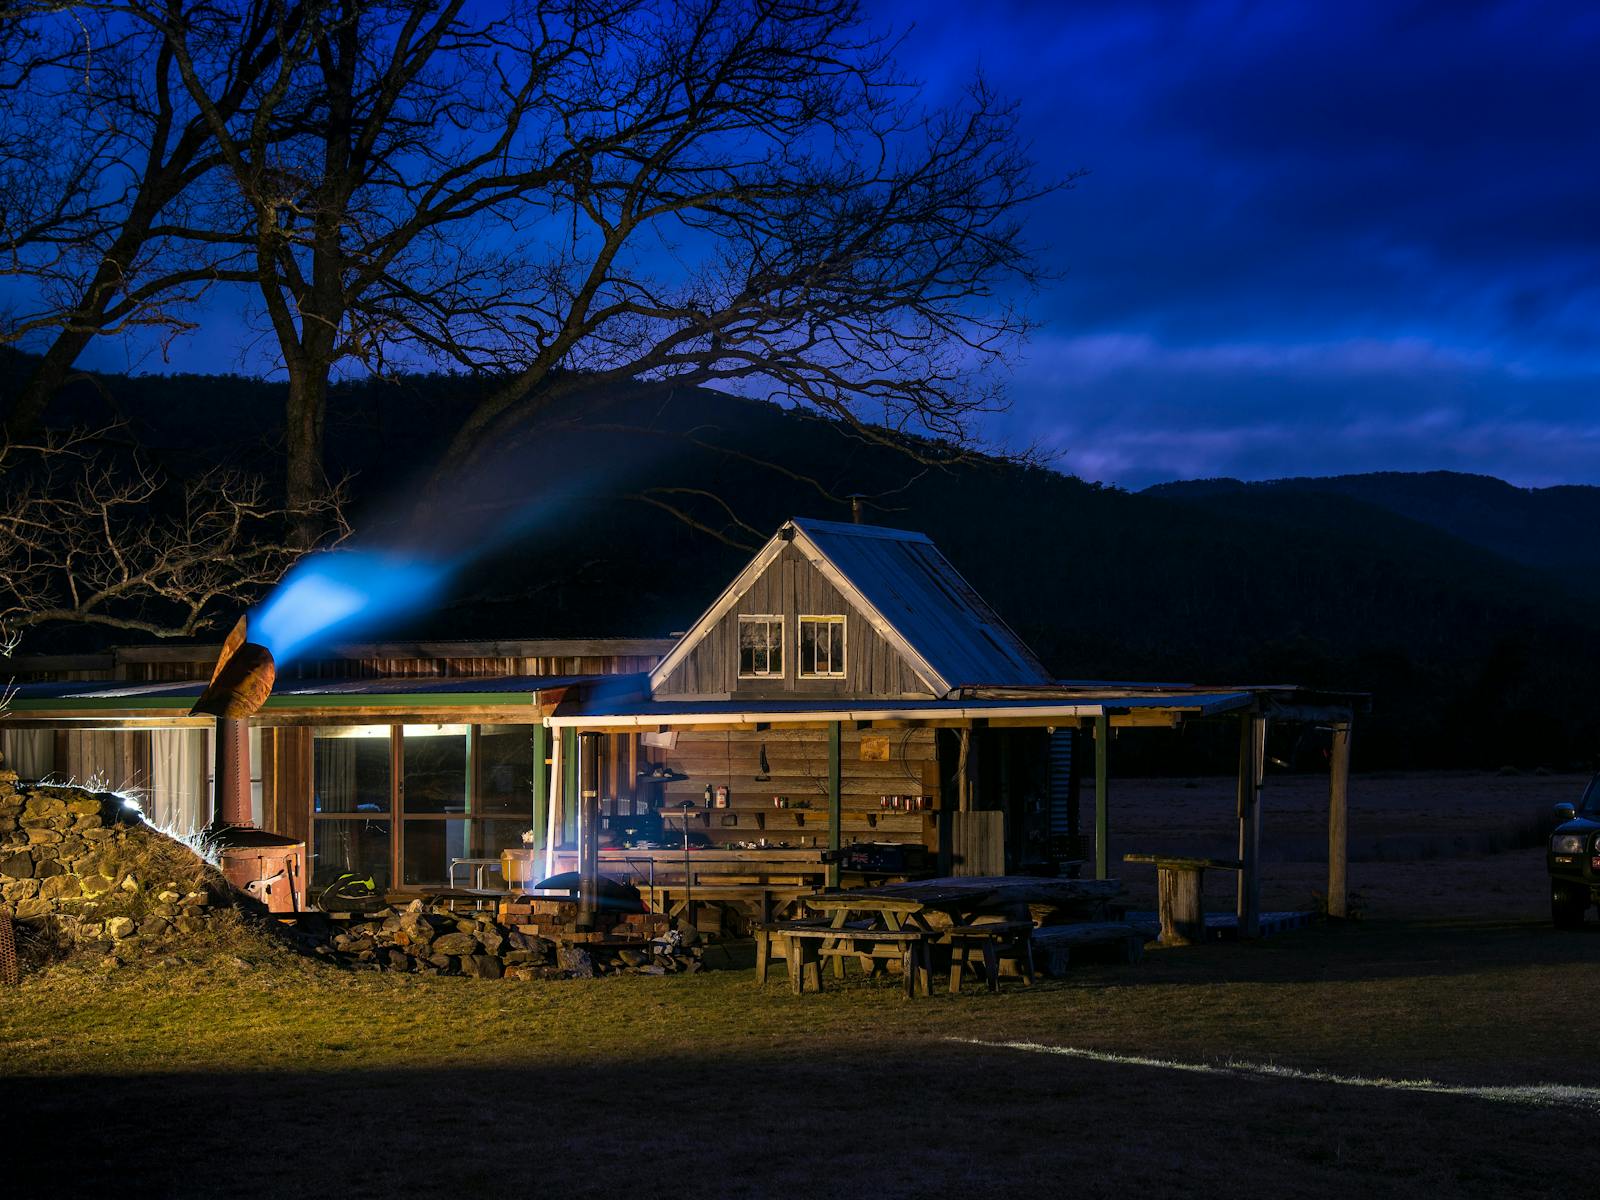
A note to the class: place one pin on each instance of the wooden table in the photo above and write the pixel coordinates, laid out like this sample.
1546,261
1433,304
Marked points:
1180,893
947,913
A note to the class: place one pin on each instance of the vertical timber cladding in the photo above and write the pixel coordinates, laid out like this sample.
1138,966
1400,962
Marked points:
791,587
286,780
797,770
118,759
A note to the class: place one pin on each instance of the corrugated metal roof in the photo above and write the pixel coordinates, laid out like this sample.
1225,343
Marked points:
646,713
288,692
917,590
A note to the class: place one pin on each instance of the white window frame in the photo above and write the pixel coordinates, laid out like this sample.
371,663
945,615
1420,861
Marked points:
800,645
765,619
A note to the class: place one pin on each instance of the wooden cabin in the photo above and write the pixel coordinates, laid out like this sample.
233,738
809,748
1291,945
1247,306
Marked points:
848,709
390,760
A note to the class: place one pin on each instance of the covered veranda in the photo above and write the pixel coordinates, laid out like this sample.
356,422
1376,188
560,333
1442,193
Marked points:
1096,711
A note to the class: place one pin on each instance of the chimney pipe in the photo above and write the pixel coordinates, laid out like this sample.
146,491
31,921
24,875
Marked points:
588,829
232,773
240,684
269,866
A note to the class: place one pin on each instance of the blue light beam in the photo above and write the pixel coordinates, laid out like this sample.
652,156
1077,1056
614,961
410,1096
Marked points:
340,593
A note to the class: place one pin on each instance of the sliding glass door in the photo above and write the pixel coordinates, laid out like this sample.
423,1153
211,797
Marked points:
399,803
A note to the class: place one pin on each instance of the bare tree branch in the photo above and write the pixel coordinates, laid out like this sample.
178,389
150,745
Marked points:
93,537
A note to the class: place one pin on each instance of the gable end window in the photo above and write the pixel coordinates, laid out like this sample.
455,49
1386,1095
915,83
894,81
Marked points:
760,647
821,647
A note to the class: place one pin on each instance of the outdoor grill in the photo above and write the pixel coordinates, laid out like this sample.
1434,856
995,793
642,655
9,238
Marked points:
269,866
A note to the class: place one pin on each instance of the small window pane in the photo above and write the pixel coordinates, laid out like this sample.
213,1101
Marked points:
760,646
351,769
506,770
821,646
435,759
355,847
431,844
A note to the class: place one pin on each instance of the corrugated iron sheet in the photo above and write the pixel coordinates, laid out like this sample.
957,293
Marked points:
916,589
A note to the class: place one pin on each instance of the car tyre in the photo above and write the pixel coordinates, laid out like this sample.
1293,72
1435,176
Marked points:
1567,907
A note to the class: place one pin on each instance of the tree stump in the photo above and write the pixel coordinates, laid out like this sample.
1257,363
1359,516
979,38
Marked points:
1182,905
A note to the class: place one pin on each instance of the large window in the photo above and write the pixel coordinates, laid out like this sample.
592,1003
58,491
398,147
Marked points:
760,647
397,804
821,647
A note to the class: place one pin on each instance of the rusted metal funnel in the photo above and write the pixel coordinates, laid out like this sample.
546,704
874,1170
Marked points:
240,682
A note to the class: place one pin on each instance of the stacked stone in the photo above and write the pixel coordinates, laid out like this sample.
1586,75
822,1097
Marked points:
433,941
82,870
80,867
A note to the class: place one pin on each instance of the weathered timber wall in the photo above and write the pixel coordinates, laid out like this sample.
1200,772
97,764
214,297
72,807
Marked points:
789,588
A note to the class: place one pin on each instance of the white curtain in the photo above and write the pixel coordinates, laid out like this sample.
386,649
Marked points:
179,780
31,753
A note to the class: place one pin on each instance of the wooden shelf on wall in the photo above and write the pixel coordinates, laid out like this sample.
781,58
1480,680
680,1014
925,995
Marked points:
810,820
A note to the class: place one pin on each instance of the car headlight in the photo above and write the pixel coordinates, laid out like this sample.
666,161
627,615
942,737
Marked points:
1567,843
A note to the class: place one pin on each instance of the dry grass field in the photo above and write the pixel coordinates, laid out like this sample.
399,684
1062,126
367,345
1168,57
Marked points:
223,1078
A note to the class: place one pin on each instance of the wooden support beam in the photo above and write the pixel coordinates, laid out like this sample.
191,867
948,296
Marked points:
1102,825
1252,761
964,771
1338,830
541,785
569,787
834,793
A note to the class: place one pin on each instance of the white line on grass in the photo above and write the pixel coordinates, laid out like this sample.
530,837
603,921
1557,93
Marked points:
1558,1095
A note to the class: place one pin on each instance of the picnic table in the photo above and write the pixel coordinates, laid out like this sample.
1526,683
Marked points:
965,920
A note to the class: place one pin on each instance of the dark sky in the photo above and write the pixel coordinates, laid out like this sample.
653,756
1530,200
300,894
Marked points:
1315,238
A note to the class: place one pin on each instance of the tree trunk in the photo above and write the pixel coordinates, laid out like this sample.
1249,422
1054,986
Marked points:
24,416
304,479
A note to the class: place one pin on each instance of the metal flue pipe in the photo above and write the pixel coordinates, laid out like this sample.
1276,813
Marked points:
269,866
588,829
232,773
240,684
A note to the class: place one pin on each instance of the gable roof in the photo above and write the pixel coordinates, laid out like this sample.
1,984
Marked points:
907,591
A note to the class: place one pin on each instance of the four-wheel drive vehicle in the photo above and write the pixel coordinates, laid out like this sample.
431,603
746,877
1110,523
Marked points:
1574,858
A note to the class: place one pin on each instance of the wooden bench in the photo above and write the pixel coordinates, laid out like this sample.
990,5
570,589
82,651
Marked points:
993,941
1055,946
1180,893
809,943
771,942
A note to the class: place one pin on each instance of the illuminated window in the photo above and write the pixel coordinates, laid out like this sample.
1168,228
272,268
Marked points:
396,804
821,647
760,647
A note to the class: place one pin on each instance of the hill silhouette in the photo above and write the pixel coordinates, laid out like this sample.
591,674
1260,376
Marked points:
1474,655
1557,528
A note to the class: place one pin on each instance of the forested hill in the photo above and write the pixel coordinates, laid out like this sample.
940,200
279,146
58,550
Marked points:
1473,658
1553,527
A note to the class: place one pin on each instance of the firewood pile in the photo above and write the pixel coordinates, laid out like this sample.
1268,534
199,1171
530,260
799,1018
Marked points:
557,919
430,940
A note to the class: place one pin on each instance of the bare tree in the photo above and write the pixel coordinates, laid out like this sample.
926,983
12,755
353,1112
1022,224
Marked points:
93,536
108,174
569,194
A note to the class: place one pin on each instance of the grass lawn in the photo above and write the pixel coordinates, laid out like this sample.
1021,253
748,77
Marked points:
183,1081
